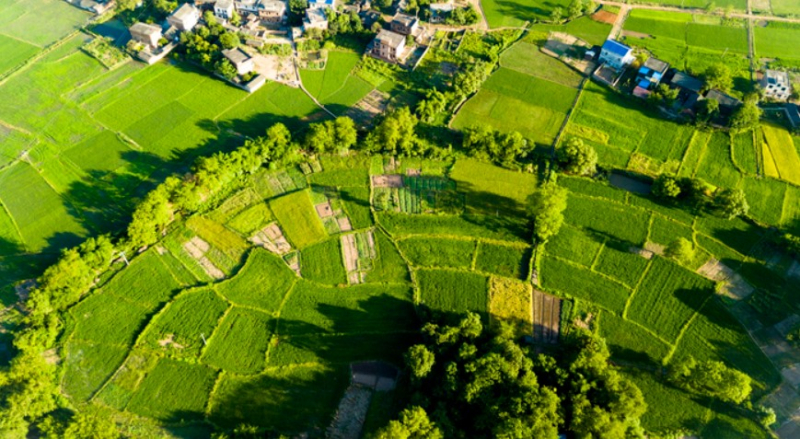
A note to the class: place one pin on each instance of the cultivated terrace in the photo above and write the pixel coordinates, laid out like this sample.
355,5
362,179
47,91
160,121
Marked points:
399,219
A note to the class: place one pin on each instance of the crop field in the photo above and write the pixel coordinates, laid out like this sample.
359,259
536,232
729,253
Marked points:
785,7
438,252
40,22
618,222
298,219
263,282
14,52
502,260
525,57
174,391
453,291
606,121
489,188
778,145
239,344
585,28
514,101
715,164
632,342
775,41
515,13
571,281
335,86
318,263
510,302
668,298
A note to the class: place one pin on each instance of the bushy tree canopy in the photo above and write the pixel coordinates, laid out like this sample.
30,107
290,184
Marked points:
576,157
546,206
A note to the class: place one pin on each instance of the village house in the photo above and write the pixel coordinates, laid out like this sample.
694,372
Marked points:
688,90
616,55
651,73
184,18
727,103
388,45
404,24
246,7
223,9
240,59
440,12
147,34
315,19
683,81
776,85
272,11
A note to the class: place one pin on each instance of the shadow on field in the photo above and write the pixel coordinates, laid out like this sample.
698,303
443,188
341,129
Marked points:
524,12
103,200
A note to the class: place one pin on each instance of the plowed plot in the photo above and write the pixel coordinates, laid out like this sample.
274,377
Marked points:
546,317
604,17
667,298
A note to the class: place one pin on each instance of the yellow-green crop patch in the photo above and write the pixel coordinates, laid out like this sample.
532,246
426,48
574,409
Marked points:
240,342
783,152
261,283
298,218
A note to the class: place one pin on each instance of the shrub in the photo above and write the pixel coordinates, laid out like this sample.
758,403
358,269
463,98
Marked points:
577,157
680,250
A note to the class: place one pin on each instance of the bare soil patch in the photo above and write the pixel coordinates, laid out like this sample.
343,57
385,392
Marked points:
271,238
389,180
197,248
630,33
546,317
643,252
604,17
735,286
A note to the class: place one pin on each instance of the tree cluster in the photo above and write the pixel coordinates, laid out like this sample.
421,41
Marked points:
204,46
576,157
470,79
718,76
396,135
729,203
469,382
462,16
546,207
710,378
487,144
331,136
577,8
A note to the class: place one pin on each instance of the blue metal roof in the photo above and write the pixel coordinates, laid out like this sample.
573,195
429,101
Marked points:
616,48
644,71
644,83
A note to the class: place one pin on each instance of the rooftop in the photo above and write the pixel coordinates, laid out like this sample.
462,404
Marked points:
405,20
185,11
146,29
656,64
442,7
315,15
390,38
723,99
616,48
776,77
224,4
683,80
236,56
273,5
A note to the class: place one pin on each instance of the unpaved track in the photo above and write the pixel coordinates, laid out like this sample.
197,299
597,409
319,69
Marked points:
748,15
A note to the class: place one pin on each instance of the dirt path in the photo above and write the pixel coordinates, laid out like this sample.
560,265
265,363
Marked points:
295,57
616,28
747,15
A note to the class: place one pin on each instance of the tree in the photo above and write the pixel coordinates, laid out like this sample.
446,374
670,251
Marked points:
420,360
746,117
710,378
208,17
707,109
680,250
320,138
766,416
236,19
229,40
556,15
345,133
396,134
666,187
487,144
226,69
718,76
413,424
575,9
546,206
469,81
126,5
731,203
577,157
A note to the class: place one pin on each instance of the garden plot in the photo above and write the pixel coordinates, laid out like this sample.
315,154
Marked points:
329,209
271,238
546,317
197,249
298,219
275,183
368,108
415,194
510,302
779,149
358,253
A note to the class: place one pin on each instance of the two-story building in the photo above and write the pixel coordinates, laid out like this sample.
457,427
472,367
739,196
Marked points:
223,9
147,34
315,18
184,18
272,11
616,55
776,85
388,45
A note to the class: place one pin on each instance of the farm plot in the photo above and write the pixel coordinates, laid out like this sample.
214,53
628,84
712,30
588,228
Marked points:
502,260
667,298
620,263
785,7
526,58
631,342
40,22
715,164
510,302
452,291
415,194
316,309
438,252
515,13
179,328
358,255
43,217
298,219
534,107
588,29
262,283
240,342
324,83
87,365
329,209
575,245
337,350
318,263
775,40
546,317
388,266
778,145
622,224
174,391
489,189
573,281
14,52
744,153
479,226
